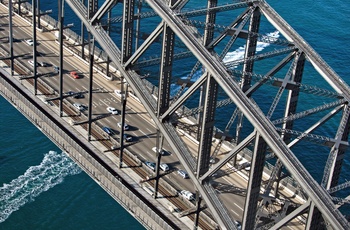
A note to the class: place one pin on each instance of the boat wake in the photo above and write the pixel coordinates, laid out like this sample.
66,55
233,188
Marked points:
260,46
37,179
231,56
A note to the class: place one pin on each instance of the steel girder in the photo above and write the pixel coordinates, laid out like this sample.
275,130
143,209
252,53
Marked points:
217,71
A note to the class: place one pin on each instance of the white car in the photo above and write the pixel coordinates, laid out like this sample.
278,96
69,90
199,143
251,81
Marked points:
43,64
80,107
32,63
127,137
187,194
118,92
162,151
112,110
182,173
126,126
164,167
29,42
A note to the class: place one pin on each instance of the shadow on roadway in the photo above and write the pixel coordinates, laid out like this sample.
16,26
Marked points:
229,188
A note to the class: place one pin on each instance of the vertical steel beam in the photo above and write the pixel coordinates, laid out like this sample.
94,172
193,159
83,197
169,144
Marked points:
293,95
207,125
198,208
38,13
123,101
11,37
248,65
91,74
60,24
34,10
255,177
91,11
127,37
165,70
138,21
164,87
205,135
291,105
109,15
82,37
207,39
159,144
210,22
128,28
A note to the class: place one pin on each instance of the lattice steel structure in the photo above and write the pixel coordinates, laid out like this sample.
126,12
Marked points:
260,91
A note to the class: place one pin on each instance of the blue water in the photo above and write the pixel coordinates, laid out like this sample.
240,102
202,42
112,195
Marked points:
40,188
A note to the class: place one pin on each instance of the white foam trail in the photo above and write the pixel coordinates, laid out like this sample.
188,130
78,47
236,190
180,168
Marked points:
37,179
260,46
230,56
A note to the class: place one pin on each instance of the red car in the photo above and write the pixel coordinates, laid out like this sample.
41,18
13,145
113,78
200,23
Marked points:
74,74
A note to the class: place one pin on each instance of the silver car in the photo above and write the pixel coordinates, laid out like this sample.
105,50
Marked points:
182,173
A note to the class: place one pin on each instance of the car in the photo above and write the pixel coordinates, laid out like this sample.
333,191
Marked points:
164,167
162,151
238,225
151,165
70,93
31,62
126,126
244,164
187,194
112,110
107,130
29,42
118,92
56,69
43,64
127,137
74,75
78,95
212,160
79,106
182,173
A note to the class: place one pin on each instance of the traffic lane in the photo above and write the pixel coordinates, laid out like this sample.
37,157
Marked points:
23,33
143,149
44,52
146,131
231,189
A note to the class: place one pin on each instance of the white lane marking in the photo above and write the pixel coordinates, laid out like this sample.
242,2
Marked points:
238,206
234,212
144,133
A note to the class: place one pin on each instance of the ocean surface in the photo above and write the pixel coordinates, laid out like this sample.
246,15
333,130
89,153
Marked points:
40,188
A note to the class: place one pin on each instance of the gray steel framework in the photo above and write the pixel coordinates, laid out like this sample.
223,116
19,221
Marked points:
271,131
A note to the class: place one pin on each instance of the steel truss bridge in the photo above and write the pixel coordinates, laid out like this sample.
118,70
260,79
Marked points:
278,102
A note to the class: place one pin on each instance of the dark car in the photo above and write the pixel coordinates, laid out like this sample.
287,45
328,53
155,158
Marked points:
107,130
79,95
151,165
